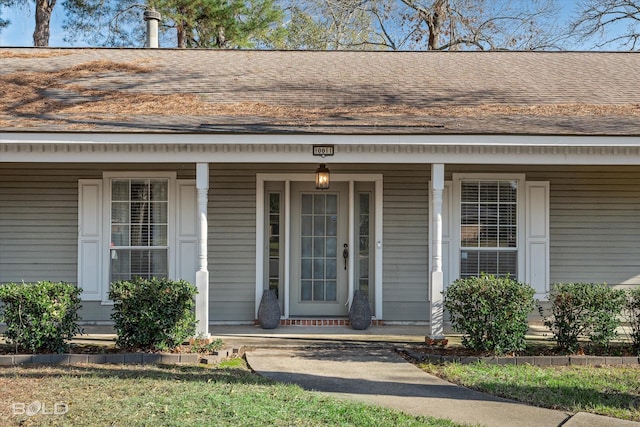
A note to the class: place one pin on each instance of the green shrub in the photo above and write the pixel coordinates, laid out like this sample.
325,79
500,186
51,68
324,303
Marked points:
153,314
632,315
583,310
42,316
490,311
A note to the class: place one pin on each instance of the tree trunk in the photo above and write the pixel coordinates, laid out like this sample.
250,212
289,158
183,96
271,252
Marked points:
221,39
435,22
181,30
43,19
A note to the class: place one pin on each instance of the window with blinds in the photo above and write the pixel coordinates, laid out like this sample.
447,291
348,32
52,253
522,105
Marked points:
488,228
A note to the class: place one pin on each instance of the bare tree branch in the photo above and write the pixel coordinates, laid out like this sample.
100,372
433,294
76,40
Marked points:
608,23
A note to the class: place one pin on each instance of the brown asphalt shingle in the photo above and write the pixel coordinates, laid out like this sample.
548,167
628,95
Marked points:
158,90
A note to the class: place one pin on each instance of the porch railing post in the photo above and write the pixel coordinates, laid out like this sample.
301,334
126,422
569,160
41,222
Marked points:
202,275
437,278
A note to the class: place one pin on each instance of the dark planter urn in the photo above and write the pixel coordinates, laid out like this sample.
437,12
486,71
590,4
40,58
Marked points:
269,310
360,312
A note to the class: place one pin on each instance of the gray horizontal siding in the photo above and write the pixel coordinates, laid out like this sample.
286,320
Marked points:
232,243
595,224
405,236
94,311
38,223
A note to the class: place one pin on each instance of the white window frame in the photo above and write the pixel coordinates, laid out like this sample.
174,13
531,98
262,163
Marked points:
458,178
106,223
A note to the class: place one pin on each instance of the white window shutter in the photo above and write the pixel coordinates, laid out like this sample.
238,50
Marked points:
90,239
187,231
537,236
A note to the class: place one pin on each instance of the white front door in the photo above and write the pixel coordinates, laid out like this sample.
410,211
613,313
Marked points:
319,250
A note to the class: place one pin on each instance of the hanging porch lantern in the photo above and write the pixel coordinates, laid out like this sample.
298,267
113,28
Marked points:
322,177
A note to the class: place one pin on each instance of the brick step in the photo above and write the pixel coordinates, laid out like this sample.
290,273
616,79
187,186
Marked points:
321,322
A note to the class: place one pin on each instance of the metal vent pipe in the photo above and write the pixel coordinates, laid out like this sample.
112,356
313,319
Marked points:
152,18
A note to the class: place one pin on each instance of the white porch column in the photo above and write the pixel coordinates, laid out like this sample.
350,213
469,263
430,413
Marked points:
437,280
202,275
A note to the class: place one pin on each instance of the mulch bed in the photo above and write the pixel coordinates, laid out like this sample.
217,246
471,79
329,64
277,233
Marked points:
6,349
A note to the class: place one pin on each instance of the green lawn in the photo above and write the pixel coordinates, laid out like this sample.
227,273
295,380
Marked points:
606,390
129,395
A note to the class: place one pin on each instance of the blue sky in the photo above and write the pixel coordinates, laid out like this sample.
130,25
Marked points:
20,31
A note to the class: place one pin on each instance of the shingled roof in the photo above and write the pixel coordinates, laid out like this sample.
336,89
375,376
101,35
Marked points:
200,91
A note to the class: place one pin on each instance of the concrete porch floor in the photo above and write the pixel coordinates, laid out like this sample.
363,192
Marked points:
300,336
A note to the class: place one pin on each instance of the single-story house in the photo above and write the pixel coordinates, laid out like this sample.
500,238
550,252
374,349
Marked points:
202,165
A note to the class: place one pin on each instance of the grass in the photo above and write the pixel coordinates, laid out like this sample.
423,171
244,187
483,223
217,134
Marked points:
176,395
607,390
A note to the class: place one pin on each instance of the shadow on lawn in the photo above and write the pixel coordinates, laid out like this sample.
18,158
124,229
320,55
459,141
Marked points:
566,397
190,373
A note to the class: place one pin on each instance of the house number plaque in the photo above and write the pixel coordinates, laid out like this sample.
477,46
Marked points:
323,150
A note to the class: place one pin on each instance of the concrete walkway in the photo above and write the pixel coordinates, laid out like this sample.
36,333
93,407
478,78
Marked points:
381,377
363,366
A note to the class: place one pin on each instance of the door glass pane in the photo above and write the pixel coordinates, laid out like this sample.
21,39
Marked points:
332,247
332,225
307,204
364,231
318,225
307,225
319,247
307,246
273,227
305,290
274,267
318,268
318,290
307,269
274,247
332,204
318,203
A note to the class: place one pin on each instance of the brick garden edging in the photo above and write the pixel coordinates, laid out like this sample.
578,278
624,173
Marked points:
524,360
119,358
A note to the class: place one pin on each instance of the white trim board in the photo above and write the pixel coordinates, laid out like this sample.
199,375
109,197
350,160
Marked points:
357,149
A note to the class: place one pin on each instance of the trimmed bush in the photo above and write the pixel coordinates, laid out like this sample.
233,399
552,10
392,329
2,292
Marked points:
153,314
40,317
632,315
490,311
583,310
